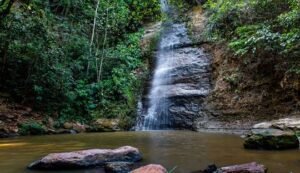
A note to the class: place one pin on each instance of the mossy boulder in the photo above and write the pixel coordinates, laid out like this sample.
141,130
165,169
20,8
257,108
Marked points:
105,125
271,139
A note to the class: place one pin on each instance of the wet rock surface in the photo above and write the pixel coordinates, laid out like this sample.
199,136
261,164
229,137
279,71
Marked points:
242,168
152,168
271,139
118,167
283,124
181,81
86,158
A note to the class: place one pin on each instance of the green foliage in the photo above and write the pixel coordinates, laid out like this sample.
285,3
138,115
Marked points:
258,28
182,7
47,59
143,11
5,6
122,85
31,128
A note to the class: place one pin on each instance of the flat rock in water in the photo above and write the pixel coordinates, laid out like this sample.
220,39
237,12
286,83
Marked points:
150,169
86,158
271,139
244,168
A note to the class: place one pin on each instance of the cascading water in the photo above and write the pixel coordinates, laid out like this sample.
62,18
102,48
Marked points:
177,75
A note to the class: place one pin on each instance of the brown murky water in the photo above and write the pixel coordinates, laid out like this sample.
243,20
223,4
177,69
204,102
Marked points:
188,151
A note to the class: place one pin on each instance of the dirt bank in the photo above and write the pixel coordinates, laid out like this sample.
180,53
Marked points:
245,93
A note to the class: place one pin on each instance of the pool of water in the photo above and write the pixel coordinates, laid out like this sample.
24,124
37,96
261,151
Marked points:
187,151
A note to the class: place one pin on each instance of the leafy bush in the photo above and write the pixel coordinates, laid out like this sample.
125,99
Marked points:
258,28
31,128
143,11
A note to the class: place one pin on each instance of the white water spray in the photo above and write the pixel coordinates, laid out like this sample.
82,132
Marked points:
169,60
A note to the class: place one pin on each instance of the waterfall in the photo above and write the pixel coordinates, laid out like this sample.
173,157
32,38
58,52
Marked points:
173,64
164,6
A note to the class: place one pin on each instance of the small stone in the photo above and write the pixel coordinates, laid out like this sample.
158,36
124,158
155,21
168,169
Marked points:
118,167
10,116
28,109
61,131
210,169
68,125
51,122
73,132
79,127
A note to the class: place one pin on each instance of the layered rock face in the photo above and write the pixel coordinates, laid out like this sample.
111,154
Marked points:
180,83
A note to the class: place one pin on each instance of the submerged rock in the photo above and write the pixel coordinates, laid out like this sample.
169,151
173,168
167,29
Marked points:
271,139
209,169
150,169
86,158
118,167
244,168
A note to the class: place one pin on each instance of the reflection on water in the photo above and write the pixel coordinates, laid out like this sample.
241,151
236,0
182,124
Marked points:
188,151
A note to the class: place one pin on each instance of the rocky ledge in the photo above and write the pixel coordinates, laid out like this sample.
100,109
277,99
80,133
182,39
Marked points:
86,158
282,124
275,135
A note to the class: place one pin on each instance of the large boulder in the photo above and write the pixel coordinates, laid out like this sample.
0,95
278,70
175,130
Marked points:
244,168
283,124
105,125
271,139
78,127
86,158
152,168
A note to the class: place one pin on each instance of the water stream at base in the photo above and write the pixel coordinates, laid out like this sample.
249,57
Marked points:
188,151
180,72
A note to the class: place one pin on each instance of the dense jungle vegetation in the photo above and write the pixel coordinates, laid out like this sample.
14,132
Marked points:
82,59
257,30
74,59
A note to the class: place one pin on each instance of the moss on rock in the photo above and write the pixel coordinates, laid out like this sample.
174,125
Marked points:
271,139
